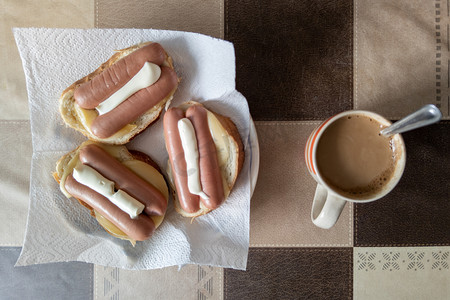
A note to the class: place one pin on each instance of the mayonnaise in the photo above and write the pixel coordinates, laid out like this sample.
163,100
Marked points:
189,144
105,187
146,76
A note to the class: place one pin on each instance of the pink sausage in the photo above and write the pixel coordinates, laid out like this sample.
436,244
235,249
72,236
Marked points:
90,94
139,229
210,175
189,202
106,125
124,179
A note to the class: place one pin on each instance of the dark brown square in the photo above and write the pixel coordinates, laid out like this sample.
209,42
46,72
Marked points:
293,58
417,211
293,273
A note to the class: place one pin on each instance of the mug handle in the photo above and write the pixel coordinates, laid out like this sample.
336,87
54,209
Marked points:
327,208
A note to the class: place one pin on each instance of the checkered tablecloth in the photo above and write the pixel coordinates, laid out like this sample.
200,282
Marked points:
297,62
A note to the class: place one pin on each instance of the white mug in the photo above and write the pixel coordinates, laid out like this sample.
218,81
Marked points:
329,203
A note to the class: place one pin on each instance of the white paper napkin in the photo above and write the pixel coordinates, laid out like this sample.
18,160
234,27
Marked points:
59,229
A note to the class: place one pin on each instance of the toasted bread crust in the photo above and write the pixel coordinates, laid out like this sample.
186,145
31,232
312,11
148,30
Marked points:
232,130
69,115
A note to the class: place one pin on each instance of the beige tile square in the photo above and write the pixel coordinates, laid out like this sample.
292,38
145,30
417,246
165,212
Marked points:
15,164
187,15
44,13
190,282
401,273
281,205
401,56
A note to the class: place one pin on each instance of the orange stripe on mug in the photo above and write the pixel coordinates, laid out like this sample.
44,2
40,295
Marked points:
313,142
308,142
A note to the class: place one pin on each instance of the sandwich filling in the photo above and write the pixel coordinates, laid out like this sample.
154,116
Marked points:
190,149
105,187
146,76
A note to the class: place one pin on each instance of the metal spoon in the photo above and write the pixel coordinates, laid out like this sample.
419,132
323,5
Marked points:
427,115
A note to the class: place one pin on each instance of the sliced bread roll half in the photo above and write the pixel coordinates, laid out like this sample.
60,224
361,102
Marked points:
81,119
139,163
230,156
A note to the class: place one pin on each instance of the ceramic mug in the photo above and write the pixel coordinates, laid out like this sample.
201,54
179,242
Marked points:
329,200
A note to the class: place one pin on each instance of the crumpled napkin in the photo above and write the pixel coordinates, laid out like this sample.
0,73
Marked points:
59,229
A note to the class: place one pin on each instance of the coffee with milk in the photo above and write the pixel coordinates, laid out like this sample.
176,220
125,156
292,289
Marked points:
354,159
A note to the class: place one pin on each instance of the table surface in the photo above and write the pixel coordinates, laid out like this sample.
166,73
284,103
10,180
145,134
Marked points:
297,62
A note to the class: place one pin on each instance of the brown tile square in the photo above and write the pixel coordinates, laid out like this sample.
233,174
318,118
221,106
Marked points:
293,58
293,273
417,211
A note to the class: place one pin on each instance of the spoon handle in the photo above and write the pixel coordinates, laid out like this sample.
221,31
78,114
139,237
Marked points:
427,115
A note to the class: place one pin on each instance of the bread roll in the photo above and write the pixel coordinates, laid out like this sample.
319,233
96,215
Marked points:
147,170
229,167
80,119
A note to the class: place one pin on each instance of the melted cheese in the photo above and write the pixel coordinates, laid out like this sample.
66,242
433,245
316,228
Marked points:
87,116
222,143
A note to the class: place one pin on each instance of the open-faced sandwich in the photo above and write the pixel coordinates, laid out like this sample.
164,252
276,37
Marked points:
123,96
124,190
205,156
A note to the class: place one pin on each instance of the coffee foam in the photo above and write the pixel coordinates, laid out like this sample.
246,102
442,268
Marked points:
376,186
379,182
